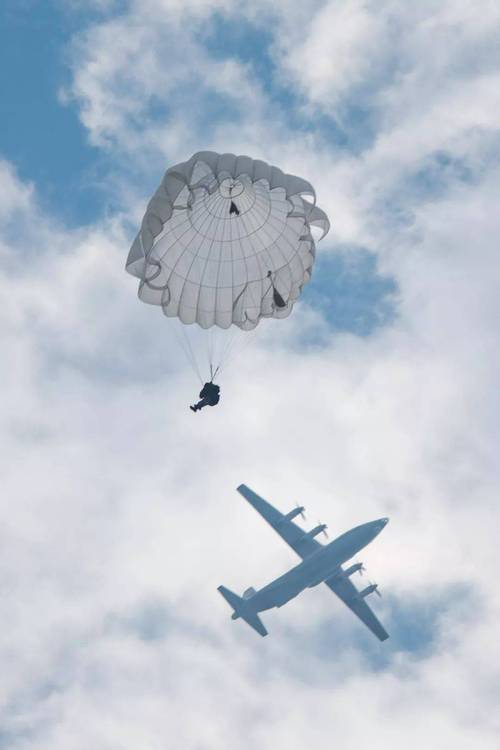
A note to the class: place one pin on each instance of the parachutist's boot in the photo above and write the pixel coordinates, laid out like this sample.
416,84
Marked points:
193,408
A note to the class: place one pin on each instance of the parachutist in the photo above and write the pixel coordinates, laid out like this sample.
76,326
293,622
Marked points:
225,242
209,395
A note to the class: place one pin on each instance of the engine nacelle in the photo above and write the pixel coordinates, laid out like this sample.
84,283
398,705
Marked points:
248,593
314,532
353,569
294,513
368,590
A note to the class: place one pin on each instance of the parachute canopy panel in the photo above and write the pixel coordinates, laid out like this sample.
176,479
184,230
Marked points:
226,240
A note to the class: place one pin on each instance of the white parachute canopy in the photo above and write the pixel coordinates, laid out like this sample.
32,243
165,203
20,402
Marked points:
225,241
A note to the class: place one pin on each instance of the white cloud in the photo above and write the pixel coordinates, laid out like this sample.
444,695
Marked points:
118,502
16,196
343,44
152,57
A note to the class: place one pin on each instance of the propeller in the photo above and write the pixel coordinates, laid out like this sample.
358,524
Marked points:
302,514
376,589
324,530
361,569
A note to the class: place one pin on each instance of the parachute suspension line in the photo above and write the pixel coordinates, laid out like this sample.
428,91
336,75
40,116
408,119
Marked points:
185,344
250,337
211,344
208,346
213,351
218,346
232,351
213,357
226,350
193,355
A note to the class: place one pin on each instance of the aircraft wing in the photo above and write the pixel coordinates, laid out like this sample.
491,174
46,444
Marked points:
289,531
347,591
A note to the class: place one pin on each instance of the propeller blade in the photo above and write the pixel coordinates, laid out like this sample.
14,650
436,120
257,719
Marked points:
376,589
324,530
302,514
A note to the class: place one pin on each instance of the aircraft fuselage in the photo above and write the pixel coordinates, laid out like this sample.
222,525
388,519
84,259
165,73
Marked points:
316,568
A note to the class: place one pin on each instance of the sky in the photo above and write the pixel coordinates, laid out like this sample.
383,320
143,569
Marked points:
377,397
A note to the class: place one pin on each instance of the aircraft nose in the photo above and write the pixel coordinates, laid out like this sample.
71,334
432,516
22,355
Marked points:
383,522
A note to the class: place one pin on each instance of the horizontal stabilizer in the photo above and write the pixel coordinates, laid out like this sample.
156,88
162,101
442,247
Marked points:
243,609
231,598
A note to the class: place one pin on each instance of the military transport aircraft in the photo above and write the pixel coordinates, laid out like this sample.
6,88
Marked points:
320,564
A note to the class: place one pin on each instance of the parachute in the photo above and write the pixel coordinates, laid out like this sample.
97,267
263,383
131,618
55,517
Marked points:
226,241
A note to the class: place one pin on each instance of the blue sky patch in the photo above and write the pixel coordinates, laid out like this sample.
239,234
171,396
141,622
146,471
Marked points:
350,293
414,624
41,136
227,37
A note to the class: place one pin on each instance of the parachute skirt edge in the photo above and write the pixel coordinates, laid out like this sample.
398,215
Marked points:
207,263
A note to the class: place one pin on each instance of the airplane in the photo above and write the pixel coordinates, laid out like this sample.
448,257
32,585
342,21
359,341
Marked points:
321,563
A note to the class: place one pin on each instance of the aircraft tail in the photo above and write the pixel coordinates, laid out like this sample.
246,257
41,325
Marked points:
243,609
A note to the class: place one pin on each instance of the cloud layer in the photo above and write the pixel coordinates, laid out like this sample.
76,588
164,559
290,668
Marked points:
119,512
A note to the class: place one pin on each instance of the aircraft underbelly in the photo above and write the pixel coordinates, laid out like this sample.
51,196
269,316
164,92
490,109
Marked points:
279,592
287,587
